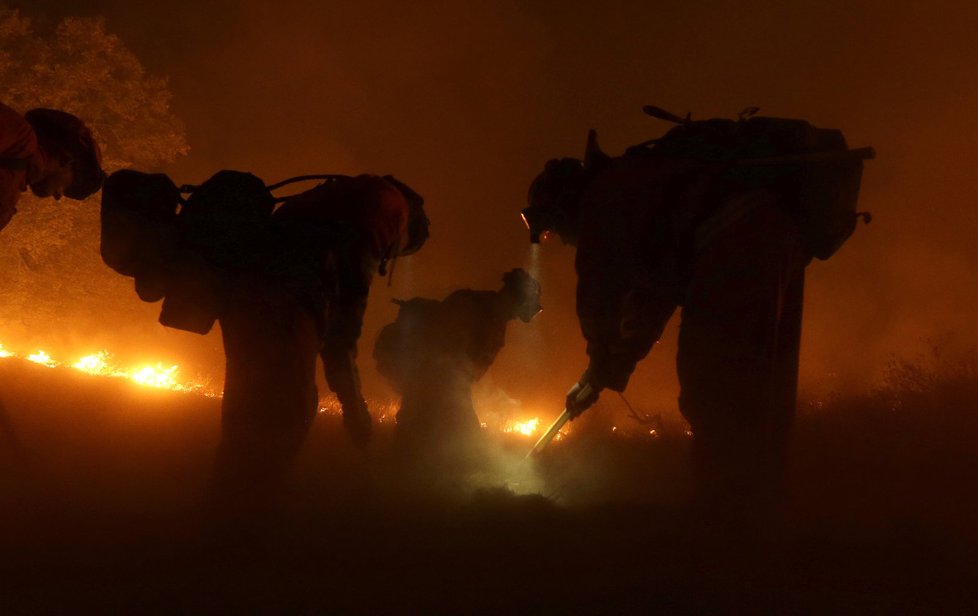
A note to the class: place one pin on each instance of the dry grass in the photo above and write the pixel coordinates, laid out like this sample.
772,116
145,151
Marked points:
103,514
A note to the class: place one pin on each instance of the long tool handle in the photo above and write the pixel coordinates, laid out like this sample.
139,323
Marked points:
550,433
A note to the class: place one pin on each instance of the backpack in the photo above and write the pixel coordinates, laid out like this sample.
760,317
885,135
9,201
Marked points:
816,174
398,343
226,219
180,251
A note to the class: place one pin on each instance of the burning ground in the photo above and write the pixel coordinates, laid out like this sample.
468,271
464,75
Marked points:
102,494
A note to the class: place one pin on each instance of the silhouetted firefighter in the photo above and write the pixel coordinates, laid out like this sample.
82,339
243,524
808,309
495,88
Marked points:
720,217
286,284
54,154
49,151
436,350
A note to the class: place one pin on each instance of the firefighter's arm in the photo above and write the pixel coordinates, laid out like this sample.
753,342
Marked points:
344,320
620,322
614,353
600,299
627,287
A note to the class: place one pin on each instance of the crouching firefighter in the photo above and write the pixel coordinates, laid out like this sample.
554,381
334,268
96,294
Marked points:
435,350
719,217
287,285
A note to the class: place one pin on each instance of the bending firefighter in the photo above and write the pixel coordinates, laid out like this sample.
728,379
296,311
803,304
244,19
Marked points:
719,217
286,284
435,350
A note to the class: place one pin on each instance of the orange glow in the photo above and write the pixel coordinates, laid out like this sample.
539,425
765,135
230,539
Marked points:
93,364
99,364
526,428
157,376
42,358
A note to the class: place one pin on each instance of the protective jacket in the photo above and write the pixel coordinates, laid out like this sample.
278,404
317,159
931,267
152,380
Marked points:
347,230
628,263
434,352
647,218
465,326
719,217
285,284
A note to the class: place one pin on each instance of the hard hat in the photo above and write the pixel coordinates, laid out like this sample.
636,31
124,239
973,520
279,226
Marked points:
65,133
551,197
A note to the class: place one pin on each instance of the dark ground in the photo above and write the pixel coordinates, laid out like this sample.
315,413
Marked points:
100,514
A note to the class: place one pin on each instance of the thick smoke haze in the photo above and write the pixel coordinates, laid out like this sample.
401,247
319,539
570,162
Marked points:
466,101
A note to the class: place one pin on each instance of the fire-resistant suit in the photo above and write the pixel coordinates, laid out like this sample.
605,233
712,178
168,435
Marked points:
738,274
285,286
692,228
305,296
435,350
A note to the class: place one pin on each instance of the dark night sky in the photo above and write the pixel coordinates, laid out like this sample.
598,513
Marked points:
466,101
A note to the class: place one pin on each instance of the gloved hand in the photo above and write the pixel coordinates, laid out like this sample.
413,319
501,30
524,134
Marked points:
357,423
581,397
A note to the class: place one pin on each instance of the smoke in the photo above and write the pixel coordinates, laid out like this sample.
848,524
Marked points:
466,102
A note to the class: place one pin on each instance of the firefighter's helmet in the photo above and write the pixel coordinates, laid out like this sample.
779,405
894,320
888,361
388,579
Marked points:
552,199
63,133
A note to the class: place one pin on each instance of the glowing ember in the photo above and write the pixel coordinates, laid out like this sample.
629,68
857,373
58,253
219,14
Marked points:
4,352
42,358
331,407
526,428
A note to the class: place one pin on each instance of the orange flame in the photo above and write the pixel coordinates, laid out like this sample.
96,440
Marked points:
98,364
526,428
42,358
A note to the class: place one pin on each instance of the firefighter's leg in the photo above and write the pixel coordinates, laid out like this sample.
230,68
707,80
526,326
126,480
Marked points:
737,359
437,424
270,395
